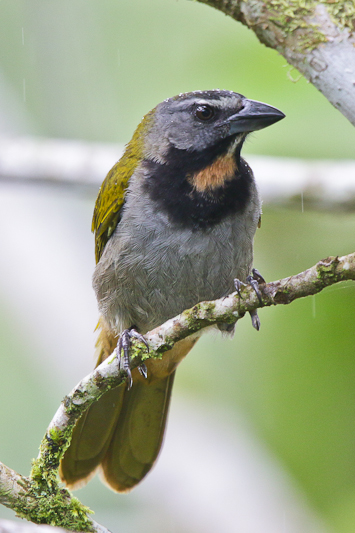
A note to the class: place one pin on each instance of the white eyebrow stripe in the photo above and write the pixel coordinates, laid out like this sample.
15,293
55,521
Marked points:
216,103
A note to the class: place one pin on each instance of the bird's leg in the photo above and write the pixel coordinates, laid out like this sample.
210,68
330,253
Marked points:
122,352
254,280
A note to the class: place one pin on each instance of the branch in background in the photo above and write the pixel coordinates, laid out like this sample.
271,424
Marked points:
318,184
31,159
317,38
39,498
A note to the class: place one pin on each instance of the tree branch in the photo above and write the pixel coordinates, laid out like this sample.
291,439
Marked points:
225,310
39,498
13,488
317,38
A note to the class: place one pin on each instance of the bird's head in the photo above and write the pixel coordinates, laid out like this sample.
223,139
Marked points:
200,120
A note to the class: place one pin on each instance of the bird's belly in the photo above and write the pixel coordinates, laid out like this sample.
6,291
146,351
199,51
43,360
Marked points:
146,278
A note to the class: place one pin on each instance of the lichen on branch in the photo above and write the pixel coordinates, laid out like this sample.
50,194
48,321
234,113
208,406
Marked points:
224,310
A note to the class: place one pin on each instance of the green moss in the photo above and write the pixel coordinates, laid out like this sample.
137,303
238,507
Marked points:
168,344
56,509
202,311
327,268
43,501
289,15
294,15
56,437
342,13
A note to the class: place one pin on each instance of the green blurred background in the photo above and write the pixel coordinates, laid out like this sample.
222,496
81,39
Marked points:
85,69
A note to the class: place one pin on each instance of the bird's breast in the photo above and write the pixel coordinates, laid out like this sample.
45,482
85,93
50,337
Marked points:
151,270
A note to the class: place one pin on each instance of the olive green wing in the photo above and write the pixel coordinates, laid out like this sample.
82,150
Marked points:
111,197
109,204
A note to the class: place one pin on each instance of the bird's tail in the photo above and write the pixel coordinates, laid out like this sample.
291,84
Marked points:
122,432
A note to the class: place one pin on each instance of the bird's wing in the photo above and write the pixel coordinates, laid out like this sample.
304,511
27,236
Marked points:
111,197
109,204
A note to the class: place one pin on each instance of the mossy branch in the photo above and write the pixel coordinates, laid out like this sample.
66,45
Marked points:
316,37
40,498
42,501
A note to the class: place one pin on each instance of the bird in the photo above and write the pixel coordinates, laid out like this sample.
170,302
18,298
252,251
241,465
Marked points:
174,224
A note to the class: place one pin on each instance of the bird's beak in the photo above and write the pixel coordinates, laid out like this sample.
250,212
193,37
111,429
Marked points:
253,116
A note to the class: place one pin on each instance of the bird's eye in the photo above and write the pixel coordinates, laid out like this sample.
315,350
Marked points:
204,112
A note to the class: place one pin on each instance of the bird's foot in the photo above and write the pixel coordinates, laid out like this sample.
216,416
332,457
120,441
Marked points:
254,280
122,352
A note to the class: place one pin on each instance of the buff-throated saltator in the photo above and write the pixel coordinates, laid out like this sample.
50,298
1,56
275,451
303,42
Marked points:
174,224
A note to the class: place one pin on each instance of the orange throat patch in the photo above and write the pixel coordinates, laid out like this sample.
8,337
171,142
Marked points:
214,176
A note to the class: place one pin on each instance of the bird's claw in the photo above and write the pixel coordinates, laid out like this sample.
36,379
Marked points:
122,352
238,285
255,320
254,280
257,276
143,370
